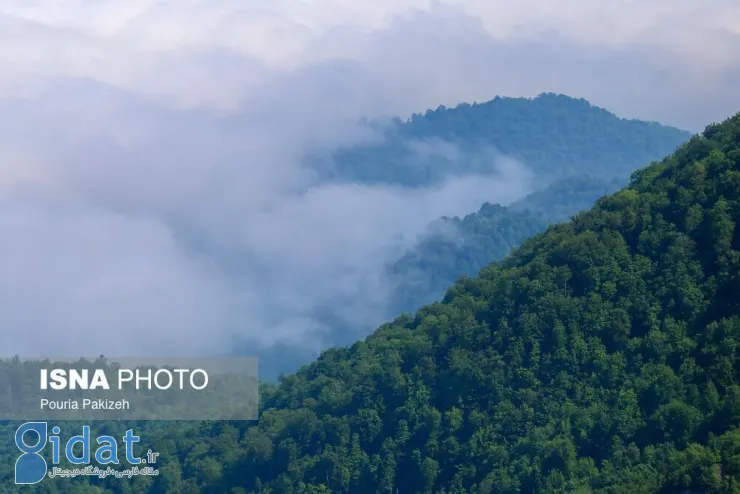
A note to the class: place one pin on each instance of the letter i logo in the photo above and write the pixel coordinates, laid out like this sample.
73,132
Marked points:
30,467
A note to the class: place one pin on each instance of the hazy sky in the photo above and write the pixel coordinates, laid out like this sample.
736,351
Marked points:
149,178
677,61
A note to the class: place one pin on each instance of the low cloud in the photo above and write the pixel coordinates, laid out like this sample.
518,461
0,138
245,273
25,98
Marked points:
141,229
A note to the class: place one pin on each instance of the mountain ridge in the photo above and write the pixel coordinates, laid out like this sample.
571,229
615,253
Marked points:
553,135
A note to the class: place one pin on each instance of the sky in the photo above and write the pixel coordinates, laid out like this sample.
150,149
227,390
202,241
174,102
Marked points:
676,61
151,197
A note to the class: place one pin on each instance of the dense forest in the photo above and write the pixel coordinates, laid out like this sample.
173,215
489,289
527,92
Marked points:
601,356
554,135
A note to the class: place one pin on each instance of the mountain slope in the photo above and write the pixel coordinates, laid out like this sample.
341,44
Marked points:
601,356
456,247
574,147
555,136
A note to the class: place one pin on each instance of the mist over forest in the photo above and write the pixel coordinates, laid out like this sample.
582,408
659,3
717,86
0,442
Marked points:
213,177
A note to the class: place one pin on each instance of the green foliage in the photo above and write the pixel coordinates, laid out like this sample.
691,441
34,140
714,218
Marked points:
457,247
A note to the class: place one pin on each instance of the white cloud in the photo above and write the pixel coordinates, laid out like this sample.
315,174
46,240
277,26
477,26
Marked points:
213,52
128,218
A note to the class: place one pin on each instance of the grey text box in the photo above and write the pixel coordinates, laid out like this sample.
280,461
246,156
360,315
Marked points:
130,388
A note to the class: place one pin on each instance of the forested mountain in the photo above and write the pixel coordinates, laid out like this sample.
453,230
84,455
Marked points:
601,356
577,151
572,149
555,136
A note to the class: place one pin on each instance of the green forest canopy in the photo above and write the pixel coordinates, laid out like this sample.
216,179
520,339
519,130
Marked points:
553,135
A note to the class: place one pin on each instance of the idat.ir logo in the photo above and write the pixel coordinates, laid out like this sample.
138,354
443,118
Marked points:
32,437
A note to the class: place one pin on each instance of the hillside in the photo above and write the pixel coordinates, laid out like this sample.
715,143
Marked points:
555,136
601,356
